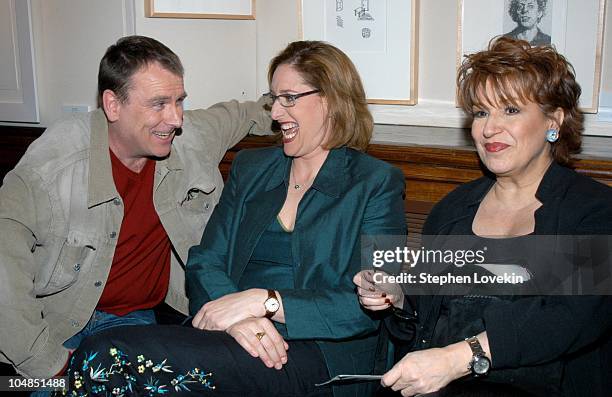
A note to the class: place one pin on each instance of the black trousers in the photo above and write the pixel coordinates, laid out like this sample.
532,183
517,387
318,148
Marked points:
180,360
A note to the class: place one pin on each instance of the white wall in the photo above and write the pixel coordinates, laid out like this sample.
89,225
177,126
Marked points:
278,24
70,37
218,55
229,58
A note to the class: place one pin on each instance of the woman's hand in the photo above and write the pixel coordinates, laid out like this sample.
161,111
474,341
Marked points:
427,371
377,296
226,311
259,338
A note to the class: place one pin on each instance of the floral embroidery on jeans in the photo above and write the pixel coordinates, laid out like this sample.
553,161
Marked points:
125,383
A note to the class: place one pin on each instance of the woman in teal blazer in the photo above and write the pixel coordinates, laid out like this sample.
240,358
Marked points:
270,284
352,195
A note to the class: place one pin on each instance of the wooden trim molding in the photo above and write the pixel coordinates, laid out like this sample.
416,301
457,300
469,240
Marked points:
431,172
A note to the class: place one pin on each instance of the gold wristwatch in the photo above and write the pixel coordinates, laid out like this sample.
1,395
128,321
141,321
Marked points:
271,304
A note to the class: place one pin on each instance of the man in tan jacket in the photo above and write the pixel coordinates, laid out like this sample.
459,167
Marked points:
97,217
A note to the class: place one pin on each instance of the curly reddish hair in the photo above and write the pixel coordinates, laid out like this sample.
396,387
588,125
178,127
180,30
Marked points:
517,72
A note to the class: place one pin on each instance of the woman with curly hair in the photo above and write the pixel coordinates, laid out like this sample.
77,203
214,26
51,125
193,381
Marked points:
523,102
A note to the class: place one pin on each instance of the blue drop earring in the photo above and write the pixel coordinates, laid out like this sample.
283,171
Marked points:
552,135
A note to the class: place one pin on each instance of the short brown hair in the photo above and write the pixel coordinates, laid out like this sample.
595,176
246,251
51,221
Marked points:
326,68
518,72
127,57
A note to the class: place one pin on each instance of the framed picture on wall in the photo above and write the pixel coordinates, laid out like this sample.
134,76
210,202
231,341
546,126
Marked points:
18,92
380,37
573,27
208,9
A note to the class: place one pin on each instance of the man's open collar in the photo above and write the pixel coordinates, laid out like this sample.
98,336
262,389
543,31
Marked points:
101,183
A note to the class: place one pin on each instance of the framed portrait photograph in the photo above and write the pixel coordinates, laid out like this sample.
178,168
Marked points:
380,37
573,27
207,9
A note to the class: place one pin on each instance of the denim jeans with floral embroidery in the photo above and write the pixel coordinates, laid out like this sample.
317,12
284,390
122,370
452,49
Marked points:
100,321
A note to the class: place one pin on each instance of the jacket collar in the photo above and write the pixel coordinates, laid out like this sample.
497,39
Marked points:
477,194
331,179
553,184
552,187
101,184
551,193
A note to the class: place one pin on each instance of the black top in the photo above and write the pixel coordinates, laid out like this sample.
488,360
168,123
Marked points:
565,341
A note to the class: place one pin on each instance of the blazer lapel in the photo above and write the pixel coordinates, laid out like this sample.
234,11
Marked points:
260,208
258,211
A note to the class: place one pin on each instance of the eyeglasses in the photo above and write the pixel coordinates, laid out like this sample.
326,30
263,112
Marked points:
286,100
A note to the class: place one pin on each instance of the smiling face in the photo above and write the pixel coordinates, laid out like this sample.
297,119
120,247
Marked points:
511,139
528,13
305,126
144,125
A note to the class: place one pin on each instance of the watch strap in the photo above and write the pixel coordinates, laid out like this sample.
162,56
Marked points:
477,355
474,344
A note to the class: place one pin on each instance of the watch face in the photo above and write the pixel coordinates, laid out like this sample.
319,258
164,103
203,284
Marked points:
481,365
271,305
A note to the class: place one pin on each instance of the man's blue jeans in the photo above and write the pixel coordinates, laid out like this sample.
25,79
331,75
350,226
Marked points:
100,321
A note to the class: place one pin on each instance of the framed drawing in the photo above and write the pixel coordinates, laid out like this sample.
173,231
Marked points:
380,37
574,27
18,90
208,9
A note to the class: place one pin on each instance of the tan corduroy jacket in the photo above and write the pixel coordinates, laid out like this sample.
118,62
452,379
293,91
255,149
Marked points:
60,216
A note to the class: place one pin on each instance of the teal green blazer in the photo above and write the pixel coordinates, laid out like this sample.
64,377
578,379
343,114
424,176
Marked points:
353,195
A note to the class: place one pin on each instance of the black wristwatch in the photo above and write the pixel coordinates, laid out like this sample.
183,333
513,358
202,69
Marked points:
480,363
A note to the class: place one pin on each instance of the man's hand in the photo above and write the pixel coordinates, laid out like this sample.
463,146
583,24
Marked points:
259,338
226,311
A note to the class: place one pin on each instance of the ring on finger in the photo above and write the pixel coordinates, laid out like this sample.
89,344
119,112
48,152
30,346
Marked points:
260,335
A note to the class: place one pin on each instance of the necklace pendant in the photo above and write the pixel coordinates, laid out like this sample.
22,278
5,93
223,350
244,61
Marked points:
297,186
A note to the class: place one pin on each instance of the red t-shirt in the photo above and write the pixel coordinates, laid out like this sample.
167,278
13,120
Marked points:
140,272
